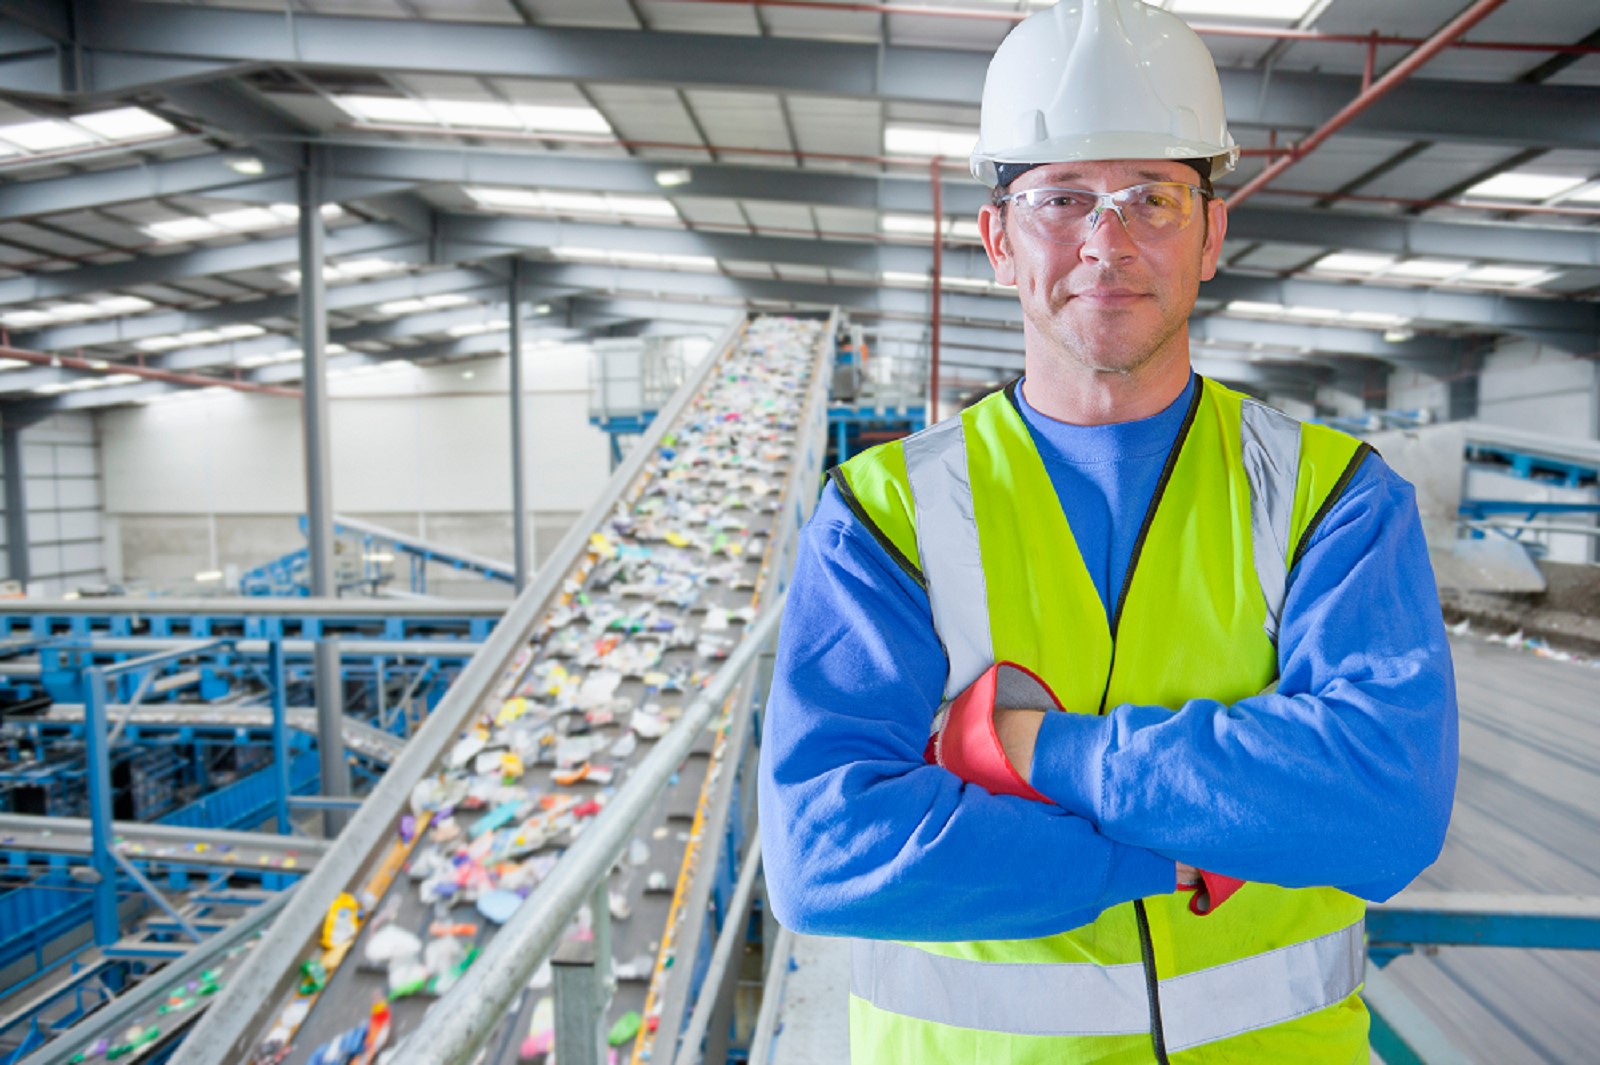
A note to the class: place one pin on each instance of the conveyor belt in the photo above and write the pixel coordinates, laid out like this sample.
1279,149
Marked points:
650,591
371,743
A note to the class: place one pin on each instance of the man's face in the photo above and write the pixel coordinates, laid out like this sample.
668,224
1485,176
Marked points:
1112,303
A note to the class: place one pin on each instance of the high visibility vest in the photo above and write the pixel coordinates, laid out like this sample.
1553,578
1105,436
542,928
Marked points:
967,508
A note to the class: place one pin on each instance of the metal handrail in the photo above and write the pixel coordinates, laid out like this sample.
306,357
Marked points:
732,926
453,1035
227,1032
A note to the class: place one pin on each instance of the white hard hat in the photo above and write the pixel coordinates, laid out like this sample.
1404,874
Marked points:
1101,79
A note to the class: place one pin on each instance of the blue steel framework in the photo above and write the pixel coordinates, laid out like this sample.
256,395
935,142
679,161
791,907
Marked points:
83,656
289,574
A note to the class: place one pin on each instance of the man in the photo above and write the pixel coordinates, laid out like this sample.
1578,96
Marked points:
1236,611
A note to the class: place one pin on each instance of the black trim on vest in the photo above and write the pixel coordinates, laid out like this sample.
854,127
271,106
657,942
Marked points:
1144,528
836,475
1327,504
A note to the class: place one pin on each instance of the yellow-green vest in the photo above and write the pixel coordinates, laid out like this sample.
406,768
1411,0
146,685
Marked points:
1273,975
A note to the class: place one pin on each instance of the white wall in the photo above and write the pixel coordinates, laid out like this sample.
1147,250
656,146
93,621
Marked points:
203,483
1539,389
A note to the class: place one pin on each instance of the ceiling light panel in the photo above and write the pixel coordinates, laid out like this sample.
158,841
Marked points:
926,141
1521,186
475,114
1353,263
124,123
45,136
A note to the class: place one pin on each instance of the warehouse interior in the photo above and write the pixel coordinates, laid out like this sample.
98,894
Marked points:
409,408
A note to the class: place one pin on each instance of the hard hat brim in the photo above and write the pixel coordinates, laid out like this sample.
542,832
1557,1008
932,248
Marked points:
1100,147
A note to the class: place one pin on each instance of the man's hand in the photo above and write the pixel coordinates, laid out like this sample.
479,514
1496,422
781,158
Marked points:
1018,731
1187,875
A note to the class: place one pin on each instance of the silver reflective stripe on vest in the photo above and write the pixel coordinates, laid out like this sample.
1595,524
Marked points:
1084,1000
947,542
1270,442
1262,990
1022,999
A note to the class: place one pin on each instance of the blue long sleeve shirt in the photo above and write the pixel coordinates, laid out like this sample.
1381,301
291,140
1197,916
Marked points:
1343,777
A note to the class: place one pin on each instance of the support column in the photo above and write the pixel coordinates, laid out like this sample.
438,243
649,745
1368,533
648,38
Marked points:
16,506
330,734
519,501
314,378
97,758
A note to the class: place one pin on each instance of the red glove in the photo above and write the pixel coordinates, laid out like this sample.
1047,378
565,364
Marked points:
1213,890
965,742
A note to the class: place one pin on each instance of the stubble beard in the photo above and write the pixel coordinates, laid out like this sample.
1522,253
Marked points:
1112,342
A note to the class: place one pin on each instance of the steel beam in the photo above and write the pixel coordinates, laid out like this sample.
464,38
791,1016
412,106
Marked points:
362,239
1516,114
519,502
454,164
314,382
105,188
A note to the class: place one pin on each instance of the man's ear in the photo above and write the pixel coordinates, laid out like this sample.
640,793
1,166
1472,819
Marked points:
992,230
1216,229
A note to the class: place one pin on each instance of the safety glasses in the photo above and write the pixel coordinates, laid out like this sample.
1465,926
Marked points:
1150,212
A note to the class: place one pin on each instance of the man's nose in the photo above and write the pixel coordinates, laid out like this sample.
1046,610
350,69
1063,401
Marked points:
1108,239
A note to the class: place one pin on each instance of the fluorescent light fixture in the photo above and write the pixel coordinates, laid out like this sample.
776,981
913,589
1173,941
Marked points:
27,319
476,328
351,269
484,114
923,140
45,136
386,109
1427,269
551,119
1523,186
1344,262
1273,310
634,258
124,124
248,165
543,308
475,114
671,179
423,303
918,225
976,283
550,200
208,576
366,267
1376,319
99,364
13,364
184,229
1504,275
1312,314
249,218
526,199
123,379
1265,10
239,331
123,305
1397,336
901,277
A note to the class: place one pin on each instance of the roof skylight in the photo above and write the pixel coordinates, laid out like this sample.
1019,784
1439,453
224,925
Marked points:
550,201
1521,186
85,131
928,141
31,318
237,220
475,114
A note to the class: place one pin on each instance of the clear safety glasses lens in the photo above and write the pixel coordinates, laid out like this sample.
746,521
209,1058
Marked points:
1150,212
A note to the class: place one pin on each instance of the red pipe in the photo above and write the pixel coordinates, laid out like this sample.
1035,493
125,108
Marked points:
1205,29
936,293
1382,87
72,362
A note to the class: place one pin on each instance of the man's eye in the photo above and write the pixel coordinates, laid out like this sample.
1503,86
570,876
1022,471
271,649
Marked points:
1062,201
